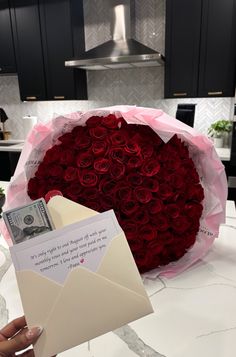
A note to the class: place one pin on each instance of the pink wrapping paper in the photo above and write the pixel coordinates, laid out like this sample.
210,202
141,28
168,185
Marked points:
209,167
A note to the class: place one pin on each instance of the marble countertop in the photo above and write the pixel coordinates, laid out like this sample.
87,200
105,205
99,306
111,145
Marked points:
11,145
195,313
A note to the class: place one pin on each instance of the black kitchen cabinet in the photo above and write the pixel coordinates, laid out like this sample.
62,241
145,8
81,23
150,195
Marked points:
7,54
200,48
47,32
218,47
8,162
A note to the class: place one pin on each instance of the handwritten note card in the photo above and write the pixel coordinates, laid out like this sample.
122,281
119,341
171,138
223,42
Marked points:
55,253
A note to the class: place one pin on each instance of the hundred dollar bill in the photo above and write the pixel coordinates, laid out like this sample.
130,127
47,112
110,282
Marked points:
28,221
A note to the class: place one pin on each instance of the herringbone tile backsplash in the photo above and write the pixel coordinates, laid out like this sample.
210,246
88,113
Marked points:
142,87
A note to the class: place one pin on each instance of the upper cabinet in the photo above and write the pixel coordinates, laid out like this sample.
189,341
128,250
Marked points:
200,48
46,33
7,55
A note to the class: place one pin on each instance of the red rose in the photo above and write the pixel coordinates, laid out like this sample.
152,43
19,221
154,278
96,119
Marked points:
177,180
130,229
98,132
117,170
55,171
87,178
90,193
141,217
165,191
70,174
66,139
124,193
134,162
93,121
93,205
180,224
136,246
132,147
193,209
117,154
42,171
107,186
195,192
52,155
156,245
129,207
72,191
84,159
148,232
172,210
106,202
33,186
110,122
134,179
67,157
118,138
143,195
147,150
151,184
161,222
82,142
155,206
150,167
101,165
99,148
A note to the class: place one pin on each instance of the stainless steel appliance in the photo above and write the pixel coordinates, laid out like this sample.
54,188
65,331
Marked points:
120,52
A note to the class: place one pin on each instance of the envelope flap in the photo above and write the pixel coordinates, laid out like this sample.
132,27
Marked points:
64,211
118,265
33,288
90,305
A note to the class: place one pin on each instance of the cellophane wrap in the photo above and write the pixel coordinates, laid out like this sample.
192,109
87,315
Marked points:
209,167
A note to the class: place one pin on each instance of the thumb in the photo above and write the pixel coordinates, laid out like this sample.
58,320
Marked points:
20,341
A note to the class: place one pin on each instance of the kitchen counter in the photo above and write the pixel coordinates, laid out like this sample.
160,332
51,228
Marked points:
11,145
195,313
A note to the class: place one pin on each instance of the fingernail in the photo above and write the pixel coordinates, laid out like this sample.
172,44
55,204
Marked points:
33,332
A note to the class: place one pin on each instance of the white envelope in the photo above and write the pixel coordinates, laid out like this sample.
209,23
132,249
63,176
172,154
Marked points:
89,303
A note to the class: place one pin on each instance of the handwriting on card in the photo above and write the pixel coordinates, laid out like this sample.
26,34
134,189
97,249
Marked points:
72,253
55,253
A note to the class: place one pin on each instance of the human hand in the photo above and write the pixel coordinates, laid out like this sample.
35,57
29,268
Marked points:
15,337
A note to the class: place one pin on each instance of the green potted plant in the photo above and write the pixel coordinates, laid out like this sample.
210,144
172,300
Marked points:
2,199
218,130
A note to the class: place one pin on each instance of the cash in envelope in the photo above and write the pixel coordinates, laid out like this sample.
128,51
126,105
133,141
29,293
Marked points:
28,221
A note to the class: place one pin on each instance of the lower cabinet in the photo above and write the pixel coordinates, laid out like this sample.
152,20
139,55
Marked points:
8,163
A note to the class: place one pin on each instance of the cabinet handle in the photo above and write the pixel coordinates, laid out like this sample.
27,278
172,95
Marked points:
31,98
0,69
59,97
179,94
215,93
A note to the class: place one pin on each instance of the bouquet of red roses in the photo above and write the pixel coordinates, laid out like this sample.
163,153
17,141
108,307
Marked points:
163,180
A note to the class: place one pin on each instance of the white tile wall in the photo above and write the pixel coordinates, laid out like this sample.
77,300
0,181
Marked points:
144,86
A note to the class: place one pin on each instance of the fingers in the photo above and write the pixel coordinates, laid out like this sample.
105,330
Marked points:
13,327
20,341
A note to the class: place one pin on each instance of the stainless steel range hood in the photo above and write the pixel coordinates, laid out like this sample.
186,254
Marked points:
120,52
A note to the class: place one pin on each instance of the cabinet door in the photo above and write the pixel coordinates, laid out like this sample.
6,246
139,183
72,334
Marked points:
183,25
7,55
58,46
29,54
218,46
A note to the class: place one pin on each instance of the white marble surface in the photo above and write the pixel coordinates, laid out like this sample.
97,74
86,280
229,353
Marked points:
11,145
223,153
195,313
